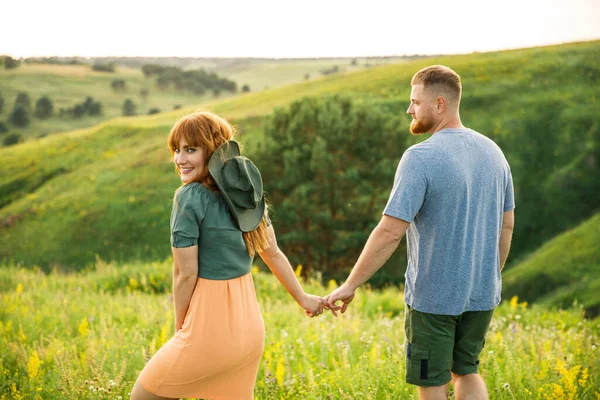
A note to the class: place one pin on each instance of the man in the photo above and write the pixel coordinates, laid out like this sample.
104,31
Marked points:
453,196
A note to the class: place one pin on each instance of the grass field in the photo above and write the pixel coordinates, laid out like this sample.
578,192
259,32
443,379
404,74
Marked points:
87,335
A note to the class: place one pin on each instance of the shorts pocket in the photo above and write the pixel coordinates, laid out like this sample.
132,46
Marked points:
417,363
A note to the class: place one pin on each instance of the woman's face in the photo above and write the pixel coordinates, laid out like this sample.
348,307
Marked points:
189,161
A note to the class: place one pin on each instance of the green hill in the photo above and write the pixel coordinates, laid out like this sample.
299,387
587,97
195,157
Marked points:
563,270
106,190
67,85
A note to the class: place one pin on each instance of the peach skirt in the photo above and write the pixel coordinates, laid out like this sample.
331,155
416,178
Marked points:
217,352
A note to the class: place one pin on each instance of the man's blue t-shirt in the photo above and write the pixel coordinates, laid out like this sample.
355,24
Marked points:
453,189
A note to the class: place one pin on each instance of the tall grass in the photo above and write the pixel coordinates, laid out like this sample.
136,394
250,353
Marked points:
87,335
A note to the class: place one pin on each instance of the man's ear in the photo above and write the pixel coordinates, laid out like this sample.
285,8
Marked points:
440,104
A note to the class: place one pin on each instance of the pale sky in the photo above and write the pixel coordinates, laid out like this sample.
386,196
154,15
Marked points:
286,28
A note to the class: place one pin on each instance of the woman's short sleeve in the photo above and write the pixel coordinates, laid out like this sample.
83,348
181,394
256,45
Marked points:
189,207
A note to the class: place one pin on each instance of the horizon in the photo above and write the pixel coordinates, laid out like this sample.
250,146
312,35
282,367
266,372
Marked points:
268,29
307,58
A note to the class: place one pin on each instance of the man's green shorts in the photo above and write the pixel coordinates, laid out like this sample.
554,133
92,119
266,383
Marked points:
437,344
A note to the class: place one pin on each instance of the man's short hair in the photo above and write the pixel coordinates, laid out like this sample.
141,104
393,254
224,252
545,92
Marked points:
440,80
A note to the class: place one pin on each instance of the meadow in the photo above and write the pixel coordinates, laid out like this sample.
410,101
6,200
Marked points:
87,335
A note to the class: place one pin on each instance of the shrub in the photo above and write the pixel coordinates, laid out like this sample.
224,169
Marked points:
3,127
95,108
1,103
176,106
129,108
20,116
329,71
23,99
10,63
118,85
44,107
101,67
78,111
12,139
245,89
154,111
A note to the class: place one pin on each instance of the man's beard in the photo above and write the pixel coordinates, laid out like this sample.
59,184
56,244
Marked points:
421,126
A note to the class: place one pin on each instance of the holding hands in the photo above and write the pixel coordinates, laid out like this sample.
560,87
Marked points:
314,305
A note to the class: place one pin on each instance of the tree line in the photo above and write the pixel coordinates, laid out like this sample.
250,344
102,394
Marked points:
197,81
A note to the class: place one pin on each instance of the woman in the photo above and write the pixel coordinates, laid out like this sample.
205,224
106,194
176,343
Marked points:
219,221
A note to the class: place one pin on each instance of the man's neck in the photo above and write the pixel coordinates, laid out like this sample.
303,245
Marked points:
453,123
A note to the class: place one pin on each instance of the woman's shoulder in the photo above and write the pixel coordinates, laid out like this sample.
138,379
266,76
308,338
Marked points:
195,192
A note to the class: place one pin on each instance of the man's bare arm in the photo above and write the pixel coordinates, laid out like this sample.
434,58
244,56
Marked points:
508,223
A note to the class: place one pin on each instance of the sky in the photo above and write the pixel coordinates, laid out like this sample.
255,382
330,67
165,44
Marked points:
289,28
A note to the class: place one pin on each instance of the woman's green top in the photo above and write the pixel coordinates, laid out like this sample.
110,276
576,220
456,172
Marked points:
200,217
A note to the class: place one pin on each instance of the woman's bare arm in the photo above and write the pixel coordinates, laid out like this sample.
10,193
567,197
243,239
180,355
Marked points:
185,276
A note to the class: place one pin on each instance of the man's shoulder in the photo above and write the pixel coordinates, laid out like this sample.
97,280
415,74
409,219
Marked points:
422,150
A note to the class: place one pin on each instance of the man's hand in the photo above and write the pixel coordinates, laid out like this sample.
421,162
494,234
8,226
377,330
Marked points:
314,305
343,293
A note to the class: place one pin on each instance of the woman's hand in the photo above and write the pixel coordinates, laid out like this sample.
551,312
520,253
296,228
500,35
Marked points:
313,305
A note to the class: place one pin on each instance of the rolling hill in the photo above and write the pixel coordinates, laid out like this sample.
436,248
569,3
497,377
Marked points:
105,191
564,270
67,85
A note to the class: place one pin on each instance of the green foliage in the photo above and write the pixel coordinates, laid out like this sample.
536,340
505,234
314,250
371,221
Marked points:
23,100
11,63
129,108
118,85
153,111
152,69
562,271
245,89
329,71
3,127
194,81
101,67
1,103
113,317
44,107
328,165
80,110
20,116
12,139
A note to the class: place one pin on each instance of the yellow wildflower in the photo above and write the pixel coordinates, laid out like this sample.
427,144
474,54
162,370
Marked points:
514,302
33,365
280,371
133,283
83,327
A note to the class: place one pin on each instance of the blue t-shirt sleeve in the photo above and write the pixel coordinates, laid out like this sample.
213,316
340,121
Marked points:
186,217
410,187
509,194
